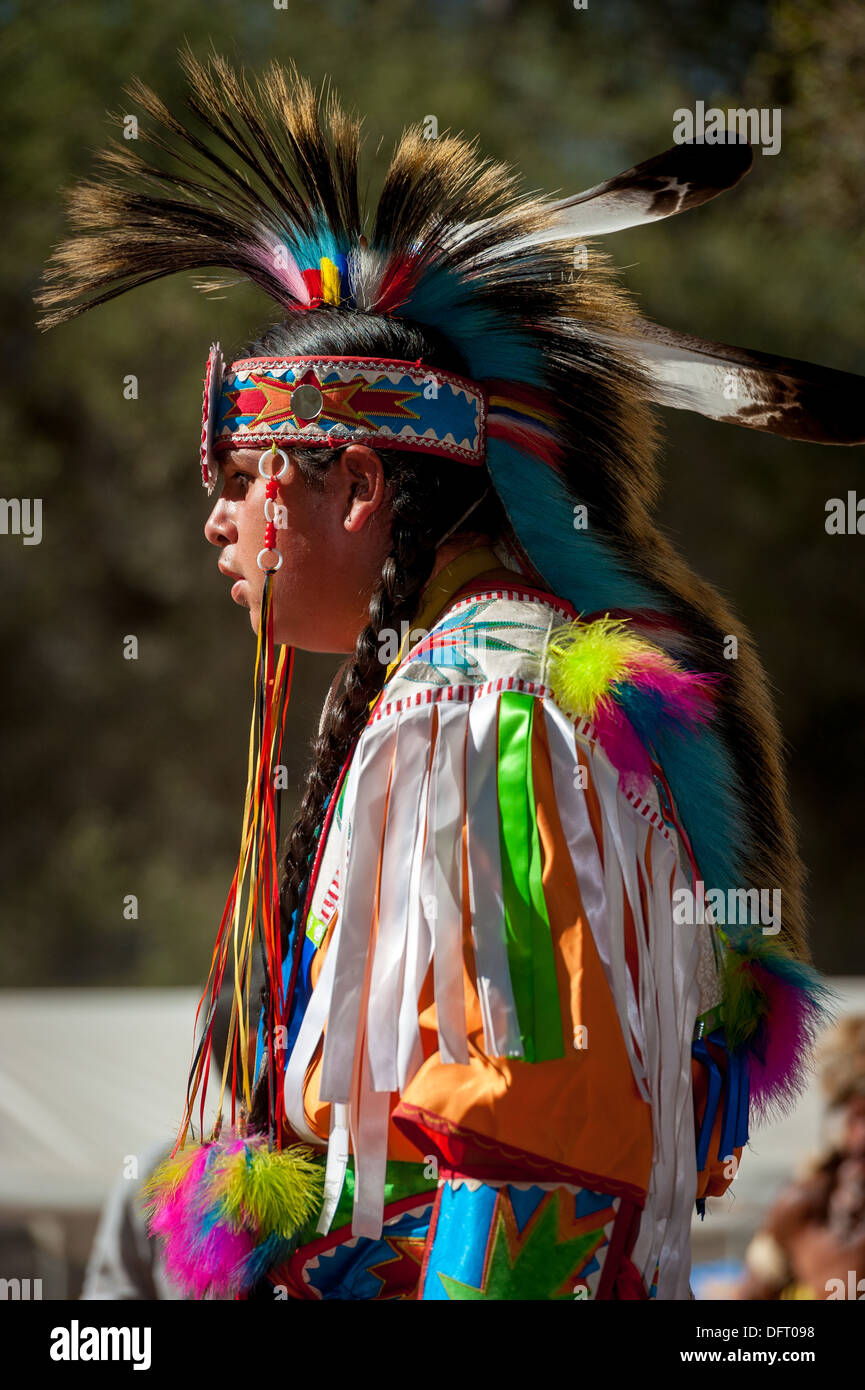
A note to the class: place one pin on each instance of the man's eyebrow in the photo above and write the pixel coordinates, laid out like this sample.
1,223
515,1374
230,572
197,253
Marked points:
224,463
225,460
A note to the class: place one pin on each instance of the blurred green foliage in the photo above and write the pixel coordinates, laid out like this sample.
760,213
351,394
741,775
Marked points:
127,777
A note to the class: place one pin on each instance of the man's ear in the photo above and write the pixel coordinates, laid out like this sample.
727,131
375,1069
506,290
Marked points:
368,489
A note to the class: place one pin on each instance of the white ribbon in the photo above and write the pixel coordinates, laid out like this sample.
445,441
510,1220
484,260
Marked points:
486,901
444,912
664,1236
369,1130
337,1162
357,896
405,823
307,1040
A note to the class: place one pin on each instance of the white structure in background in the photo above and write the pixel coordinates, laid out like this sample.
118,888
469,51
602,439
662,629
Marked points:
89,1080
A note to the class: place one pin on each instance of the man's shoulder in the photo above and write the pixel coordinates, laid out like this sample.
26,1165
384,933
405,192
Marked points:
483,636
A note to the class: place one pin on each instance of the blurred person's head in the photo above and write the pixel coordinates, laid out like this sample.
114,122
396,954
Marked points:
841,1059
854,1127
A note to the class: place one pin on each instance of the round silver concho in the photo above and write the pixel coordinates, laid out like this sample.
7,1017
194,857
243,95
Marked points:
307,402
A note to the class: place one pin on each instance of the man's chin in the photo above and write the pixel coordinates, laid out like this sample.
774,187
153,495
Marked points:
254,618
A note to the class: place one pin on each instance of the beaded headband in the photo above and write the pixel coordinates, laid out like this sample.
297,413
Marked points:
258,402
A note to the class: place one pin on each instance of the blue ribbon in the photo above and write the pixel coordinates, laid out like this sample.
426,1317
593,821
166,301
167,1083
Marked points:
701,1052
737,1096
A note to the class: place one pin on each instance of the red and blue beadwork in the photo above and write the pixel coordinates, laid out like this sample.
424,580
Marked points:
329,401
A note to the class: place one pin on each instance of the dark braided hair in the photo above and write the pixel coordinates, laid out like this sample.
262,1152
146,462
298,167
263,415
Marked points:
428,494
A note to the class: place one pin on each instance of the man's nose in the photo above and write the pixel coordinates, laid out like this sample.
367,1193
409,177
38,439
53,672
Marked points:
220,527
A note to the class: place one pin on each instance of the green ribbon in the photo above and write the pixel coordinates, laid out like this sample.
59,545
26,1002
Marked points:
531,959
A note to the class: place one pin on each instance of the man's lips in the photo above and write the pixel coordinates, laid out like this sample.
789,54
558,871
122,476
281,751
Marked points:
230,574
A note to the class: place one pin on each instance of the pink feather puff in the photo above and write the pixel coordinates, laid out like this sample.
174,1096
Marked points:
777,1070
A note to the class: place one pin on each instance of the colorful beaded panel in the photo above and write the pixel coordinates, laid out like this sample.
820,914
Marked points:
327,401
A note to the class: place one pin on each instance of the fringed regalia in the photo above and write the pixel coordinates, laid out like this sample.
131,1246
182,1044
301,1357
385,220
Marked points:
516,1031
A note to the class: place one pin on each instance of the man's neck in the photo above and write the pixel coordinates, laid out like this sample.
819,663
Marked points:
449,550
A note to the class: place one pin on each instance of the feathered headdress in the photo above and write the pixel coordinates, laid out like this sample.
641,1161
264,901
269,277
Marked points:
560,370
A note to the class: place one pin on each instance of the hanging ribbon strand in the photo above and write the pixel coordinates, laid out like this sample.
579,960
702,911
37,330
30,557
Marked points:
253,900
